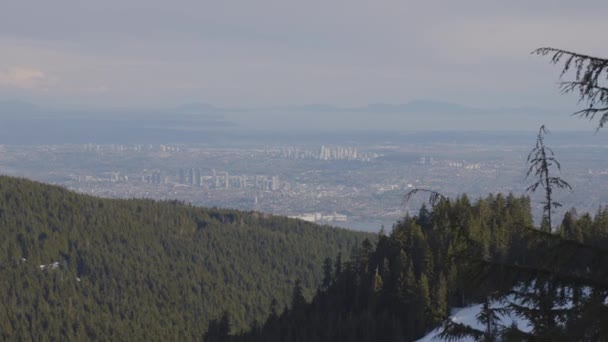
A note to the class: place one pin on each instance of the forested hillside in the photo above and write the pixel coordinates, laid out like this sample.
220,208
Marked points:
79,267
403,286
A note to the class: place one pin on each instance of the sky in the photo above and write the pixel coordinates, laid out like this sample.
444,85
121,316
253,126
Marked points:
122,53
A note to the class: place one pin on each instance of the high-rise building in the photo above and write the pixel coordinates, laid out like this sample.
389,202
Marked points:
324,154
197,177
157,178
192,176
182,176
275,183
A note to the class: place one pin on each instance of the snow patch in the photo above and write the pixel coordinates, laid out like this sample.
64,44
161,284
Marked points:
468,317
52,266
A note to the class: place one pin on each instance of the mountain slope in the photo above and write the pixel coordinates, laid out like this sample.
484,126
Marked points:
140,269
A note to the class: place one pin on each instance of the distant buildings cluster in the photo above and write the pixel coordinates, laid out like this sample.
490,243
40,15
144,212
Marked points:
474,166
112,177
156,177
129,148
319,217
426,160
327,153
338,153
196,177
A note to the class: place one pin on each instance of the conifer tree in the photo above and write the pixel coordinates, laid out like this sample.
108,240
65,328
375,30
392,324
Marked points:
327,274
297,297
338,265
224,327
569,228
440,299
541,160
488,316
363,257
590,76
424,217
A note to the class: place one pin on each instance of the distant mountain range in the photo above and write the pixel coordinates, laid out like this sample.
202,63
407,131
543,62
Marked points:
413,107
23,122
14,107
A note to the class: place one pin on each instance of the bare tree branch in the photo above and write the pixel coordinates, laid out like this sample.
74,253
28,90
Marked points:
588,71
541,159
434,196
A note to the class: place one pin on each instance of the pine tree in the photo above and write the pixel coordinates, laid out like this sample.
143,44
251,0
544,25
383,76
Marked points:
297,298
423,295
489,318
327,274
541,159
440,300
363,257
569,228
590,75
338,266
224,327
424,217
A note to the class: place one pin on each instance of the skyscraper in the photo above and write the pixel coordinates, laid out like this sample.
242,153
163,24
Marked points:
182,176
275,183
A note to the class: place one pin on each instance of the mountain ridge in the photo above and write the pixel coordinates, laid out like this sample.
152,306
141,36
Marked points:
145,269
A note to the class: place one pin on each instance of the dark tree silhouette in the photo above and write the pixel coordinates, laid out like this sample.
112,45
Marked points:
488,316
541,160
590,76
434,196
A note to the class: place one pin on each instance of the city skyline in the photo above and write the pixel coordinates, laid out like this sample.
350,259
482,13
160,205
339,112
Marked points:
308,180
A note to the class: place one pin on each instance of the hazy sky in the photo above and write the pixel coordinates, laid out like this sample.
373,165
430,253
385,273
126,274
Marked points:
264,53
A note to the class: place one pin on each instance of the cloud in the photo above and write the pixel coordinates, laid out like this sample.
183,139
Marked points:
21,77
273,52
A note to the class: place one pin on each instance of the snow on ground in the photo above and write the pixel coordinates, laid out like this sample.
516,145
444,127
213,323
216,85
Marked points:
468,317
52,266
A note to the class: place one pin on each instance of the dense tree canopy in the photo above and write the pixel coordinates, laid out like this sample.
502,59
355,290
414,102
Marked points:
79,267
457,254
405,284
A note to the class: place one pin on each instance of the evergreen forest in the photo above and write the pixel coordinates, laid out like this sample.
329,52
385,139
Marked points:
76,267
460,252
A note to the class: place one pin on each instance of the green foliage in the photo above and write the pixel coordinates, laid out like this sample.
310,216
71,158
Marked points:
463,253
146,270
327,273
559,285
404,285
